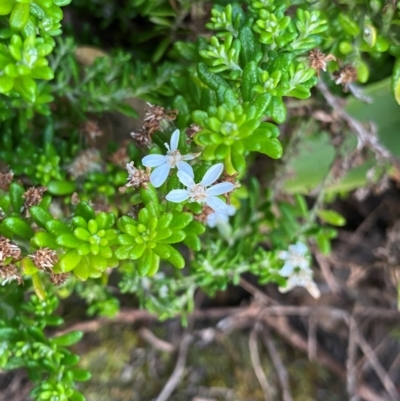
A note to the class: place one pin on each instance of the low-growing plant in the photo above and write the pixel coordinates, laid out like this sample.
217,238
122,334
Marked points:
190,201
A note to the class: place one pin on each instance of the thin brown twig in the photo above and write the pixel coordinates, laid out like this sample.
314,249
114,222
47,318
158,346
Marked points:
327,273
154,341
364,137
351,367
255,360
278,364
312,338
376,365
179,369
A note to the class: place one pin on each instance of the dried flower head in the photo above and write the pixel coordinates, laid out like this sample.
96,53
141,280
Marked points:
92,130
58,279
318,59
87,161
345,76
142,138
157,118
192,131
6,178
10,273
33,196
120,156
136,177
8,250
44,259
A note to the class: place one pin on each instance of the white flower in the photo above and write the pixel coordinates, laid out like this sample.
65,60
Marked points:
302,278
297,269
221,216
163,164
296,256
199,192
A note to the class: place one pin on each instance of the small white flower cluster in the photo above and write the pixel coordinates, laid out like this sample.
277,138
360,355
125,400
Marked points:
203,192
297,269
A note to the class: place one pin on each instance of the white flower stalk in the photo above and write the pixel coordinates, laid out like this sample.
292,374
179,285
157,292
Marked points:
200,192
297,269
220,217
164,163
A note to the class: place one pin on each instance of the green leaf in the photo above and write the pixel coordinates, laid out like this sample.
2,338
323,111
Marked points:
181,220
6,84
43,239
16,196
40,216
195,227
176,259
331,217
162,250
250,46
145,262
277,110
68,339
193,242
69,261
81,375
61,188
249,80
177,236
83,209
395,83
213,81
6,6
137,251
19,16
18,227
57,227
122,252
8,333
27,87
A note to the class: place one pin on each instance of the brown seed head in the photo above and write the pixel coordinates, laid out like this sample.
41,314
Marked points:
92,130
87,161
9,273
6,178
44,259
120,156
8,250
157,119
33,196
58,279
136,178
318,59
345,76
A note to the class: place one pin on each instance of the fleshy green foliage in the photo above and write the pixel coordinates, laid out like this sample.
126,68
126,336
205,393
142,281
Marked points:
23,343
26,38
234,85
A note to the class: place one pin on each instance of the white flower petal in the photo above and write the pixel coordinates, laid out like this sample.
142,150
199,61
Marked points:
221,188
230,210
283,255
186,178
159,175
216,204
286,270
212,174
178,195
212,220
298,248
190,156
313,289
186,168
153,160
174,140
